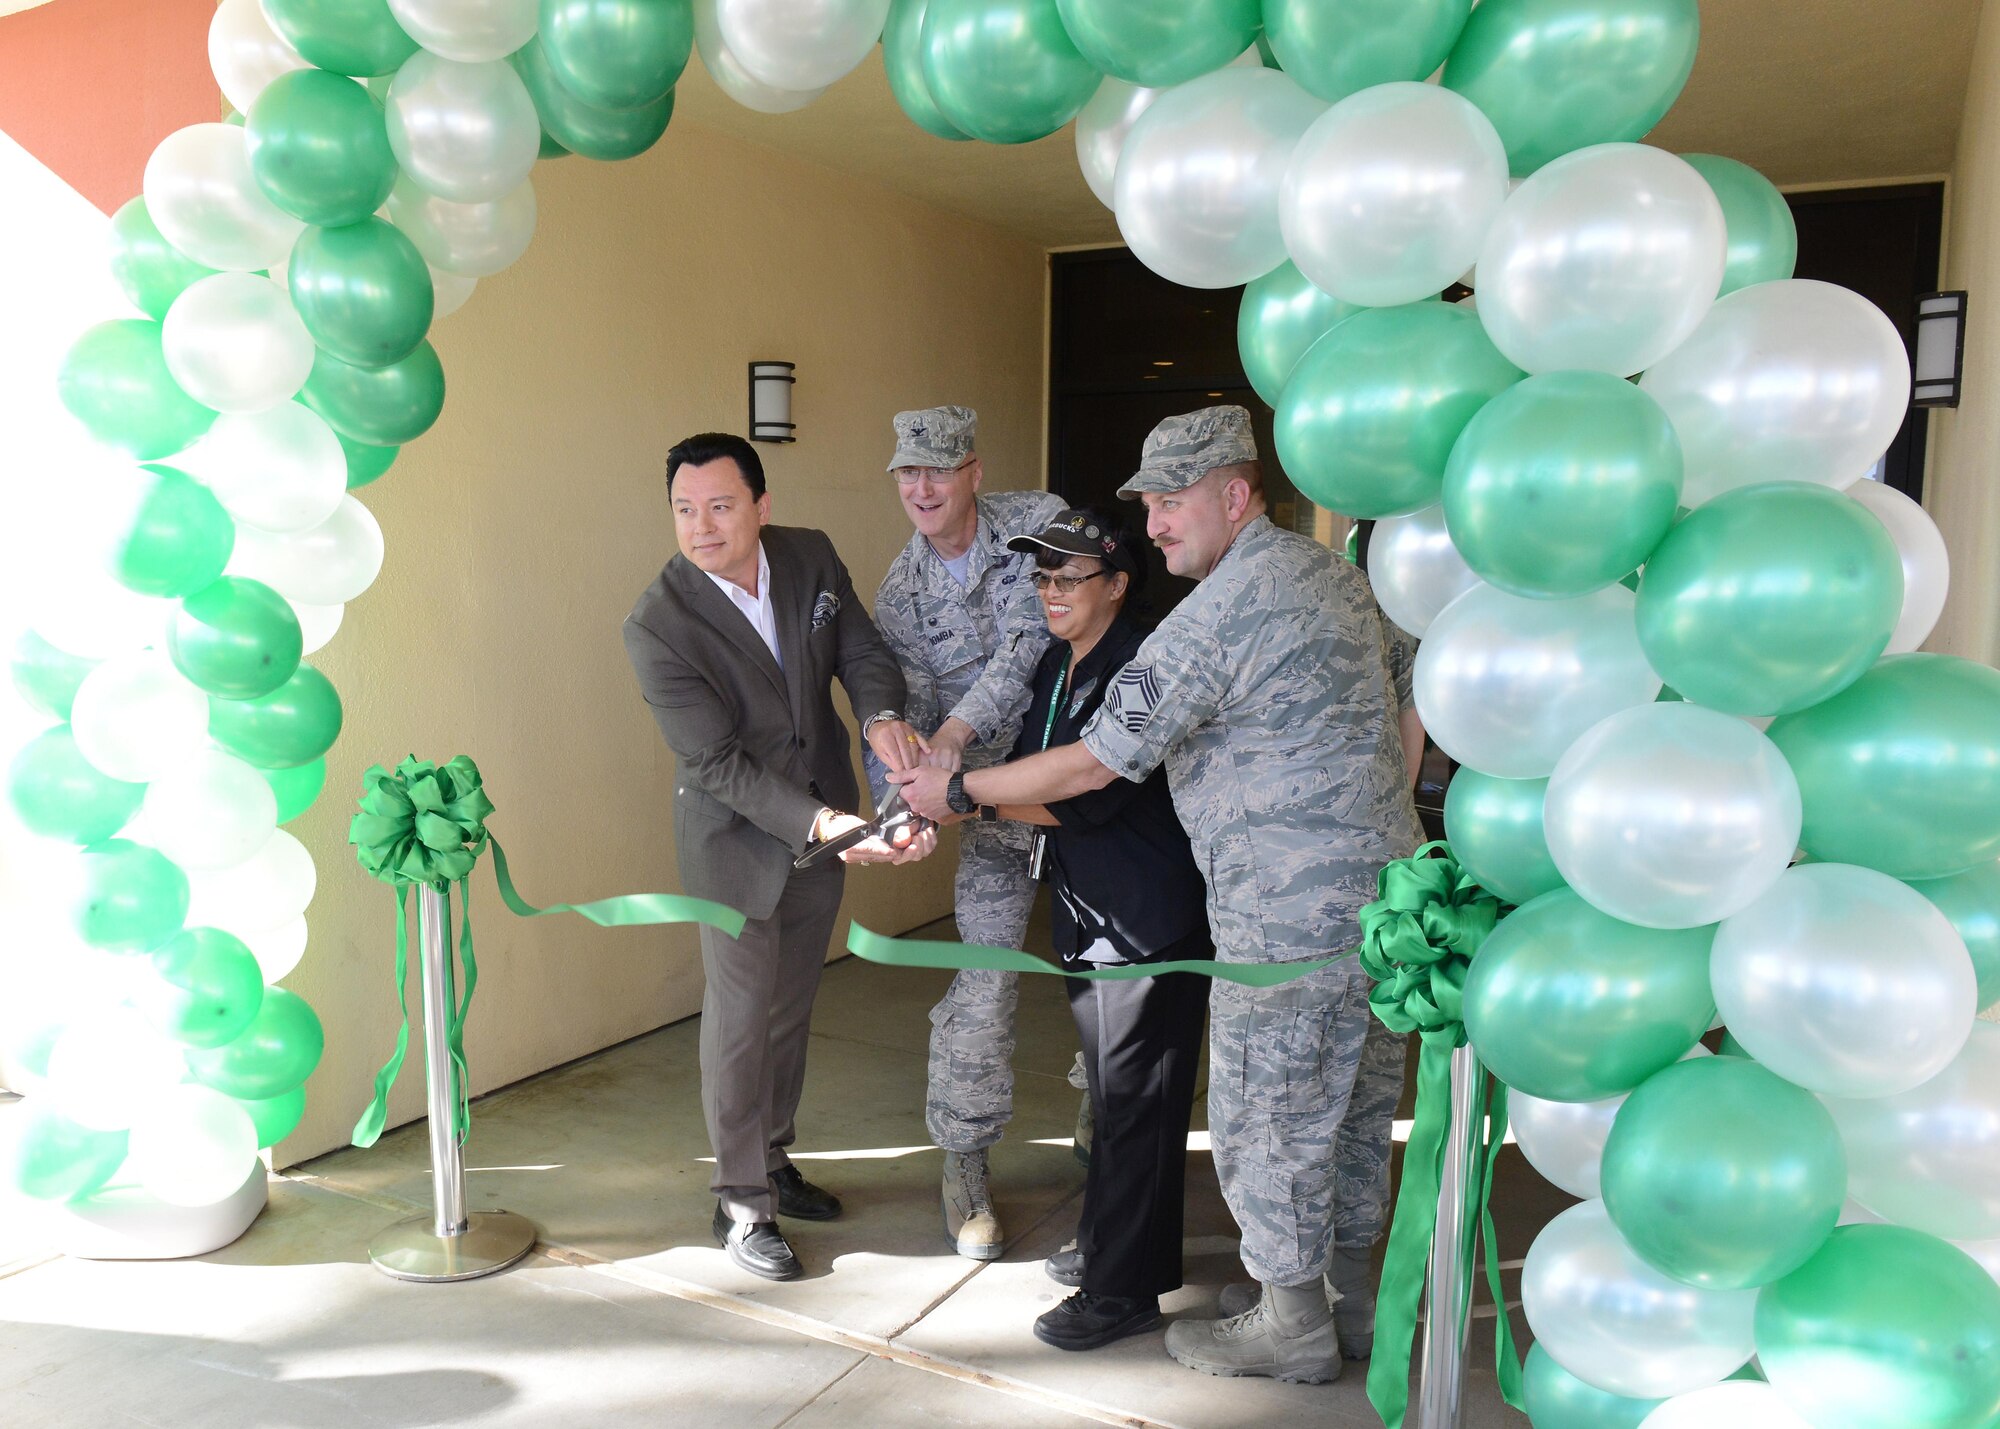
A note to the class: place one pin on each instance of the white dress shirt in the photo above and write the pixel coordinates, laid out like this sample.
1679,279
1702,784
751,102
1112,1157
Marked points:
756,608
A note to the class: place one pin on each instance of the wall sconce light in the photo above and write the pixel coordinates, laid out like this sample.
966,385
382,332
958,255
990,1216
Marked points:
771,402
1940,362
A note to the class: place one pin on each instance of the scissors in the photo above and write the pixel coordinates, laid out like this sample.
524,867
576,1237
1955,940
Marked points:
891,819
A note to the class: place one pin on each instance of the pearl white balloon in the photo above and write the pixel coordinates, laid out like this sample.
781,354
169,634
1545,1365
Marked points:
327,564
1929,1158
81,608
1671,816
281,469
469,31
278,950
245,53
137,718
1604,259
1926,562
106,1066
1101,126
1564,1141
203,199
1733,1404
234,342
464,132
1986,1252
210,812
732,78
264,892
449,291
471,240
1616,1323
800,44
1196,193
192,1146
1391,192
1505,684
317,624
1415,569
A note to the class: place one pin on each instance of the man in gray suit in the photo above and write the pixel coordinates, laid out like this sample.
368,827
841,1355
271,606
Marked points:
736,645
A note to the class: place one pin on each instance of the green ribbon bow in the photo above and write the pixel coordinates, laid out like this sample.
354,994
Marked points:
426,824
1417,941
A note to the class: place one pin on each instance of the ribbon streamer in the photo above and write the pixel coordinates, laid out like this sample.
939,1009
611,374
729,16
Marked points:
917,953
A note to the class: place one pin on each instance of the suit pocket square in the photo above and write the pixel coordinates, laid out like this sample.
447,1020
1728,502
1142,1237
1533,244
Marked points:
825,609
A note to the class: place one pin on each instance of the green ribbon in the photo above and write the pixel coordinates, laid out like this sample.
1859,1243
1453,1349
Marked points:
426,824
916,953
1417,941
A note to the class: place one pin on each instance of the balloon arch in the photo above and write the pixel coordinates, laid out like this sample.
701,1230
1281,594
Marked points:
1664,630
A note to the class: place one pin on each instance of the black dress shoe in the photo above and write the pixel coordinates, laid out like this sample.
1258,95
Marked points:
1086,1321
800,1199
1065,1267
756,1246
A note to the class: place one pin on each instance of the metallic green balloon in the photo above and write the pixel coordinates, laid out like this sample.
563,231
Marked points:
276,1053
1005,71
1569,1004
296,788
382,406
1367,422
1972,901
150,270
319,148
1557,1399
1494,827
1763,236
1281,316
903,58
1562,484
115,381
129,899
1557,75
1723,1175
51,1158
59,794
1885,1328
277,1117
293,725
365,462
177,539
351,37
1337,50
1769,598
206,989
362,291
1900,771
617,54
236,638
47,678
587,129
1146,43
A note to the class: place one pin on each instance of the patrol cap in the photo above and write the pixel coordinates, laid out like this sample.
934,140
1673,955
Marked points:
934,436
1182,450
1079,533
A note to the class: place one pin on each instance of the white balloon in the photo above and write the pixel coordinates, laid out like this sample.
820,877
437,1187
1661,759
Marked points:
1733,1404
1101,126
136,717
469,31
210,812
800,44
464,132
1604,259
472,240
246,53
1505,684
1671,816
281,469
1986,1252
203,199
192,1146
1565,1140
327,564
1926,562
1197,187
317,624
732,78
106,1066
1391,192
449,291
264,892
1616,1323
234,342
278,950
1415,569
79,607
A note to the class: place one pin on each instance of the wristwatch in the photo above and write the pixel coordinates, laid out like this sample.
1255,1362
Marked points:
877,718
988,813
955,797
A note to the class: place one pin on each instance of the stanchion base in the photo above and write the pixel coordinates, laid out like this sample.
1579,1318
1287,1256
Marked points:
411,1249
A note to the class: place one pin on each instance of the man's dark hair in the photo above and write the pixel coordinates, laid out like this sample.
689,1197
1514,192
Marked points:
705,447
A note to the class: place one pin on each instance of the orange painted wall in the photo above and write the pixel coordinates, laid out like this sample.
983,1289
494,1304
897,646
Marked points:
90,86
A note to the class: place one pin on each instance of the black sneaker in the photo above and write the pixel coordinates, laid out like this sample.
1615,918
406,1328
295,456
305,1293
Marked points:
1086,1321
800,1199
1065,1267
756,1246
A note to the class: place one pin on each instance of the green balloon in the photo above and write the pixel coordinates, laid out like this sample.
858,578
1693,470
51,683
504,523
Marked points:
1494,827
61,795
362,291
1557,1399
51,1158
1569,1004
236,638
1562,484
47,678
1005,71
151,270
319,148
1885,1328
1723,1175
293,725
365,462
1337,50
351,37
207,988
115,381
296,788
1146,43
274,1054
1367,422
1281,316
1763,236
1556,75
587,129
276,1117
1900,771
1972,901
617,54
550,149
1730,1047
903,58
178,539
129,899
1769,598
382,406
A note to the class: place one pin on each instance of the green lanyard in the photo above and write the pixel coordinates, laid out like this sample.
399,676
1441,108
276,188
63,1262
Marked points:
1055,703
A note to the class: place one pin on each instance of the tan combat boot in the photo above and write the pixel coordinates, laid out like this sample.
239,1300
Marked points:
969,1222
1287,1335
1352,1277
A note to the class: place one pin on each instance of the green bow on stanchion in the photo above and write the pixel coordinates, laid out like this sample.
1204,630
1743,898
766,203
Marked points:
426,824
1417,940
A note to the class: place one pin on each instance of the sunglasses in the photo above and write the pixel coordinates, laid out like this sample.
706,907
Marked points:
1065,585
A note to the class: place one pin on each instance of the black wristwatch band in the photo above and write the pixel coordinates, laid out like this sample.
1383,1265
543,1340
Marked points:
955,797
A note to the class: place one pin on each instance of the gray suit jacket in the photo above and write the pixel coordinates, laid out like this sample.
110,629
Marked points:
760,749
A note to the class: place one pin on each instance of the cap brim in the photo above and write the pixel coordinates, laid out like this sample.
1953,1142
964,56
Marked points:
1065,545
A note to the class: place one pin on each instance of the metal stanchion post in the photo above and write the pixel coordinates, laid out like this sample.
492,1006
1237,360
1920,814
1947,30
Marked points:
1448,1293
449,1243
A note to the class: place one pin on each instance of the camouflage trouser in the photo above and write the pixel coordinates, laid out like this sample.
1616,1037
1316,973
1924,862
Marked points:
1302,1091
971,1088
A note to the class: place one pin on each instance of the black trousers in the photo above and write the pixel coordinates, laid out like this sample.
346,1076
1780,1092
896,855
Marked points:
1141,1041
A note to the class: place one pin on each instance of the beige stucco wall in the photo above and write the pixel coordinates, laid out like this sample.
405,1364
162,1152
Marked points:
521,529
